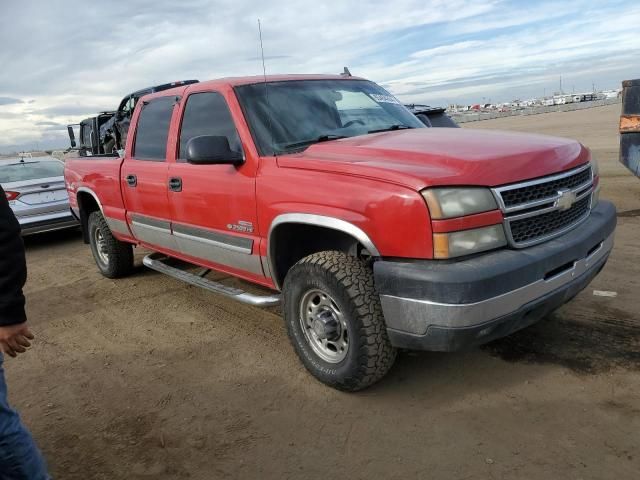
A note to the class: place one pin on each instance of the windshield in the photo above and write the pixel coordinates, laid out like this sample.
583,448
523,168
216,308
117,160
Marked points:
285,117
29,170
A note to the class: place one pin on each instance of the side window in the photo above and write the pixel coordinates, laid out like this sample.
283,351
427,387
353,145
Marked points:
86,135
127,108
153,129
207,114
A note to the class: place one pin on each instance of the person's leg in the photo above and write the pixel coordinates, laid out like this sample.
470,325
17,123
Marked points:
20,459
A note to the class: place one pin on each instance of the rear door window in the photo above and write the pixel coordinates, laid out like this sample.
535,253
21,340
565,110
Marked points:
207,114
153,129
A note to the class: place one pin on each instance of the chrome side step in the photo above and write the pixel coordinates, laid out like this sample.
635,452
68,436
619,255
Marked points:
155,262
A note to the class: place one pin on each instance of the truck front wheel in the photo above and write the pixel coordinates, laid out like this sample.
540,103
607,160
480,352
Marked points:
113,257
335,322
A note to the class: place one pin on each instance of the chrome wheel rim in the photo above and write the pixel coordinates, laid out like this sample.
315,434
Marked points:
101,246
324,326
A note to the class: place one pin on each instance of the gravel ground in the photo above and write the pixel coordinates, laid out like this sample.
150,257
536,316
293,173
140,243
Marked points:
146,377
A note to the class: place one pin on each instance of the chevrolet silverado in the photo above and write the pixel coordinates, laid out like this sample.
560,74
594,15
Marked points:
375,231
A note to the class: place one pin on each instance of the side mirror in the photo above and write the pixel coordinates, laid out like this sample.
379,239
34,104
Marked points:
72,137
212,150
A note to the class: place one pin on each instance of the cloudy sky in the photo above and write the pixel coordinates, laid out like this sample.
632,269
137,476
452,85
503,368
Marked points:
62,60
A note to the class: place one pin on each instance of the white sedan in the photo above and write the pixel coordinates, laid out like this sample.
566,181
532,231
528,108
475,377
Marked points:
36,192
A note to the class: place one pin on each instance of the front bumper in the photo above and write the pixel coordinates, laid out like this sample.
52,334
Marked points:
452,305
47,222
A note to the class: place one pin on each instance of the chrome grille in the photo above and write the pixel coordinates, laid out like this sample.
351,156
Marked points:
539,226
541,209
545,190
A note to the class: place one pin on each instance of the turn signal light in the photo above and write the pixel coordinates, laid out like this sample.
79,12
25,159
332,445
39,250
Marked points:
466,242
12,195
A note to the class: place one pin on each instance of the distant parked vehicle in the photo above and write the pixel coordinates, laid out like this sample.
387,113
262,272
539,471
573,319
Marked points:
630,126
59,154
36,192
432,116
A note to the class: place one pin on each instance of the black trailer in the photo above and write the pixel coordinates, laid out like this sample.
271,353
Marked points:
106,133
91,141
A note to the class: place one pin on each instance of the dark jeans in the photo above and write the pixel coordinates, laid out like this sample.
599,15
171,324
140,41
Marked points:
20,459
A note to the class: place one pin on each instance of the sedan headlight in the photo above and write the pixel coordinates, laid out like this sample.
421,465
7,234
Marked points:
466,242
458,202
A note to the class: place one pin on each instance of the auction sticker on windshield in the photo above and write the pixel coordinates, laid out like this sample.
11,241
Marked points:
384,98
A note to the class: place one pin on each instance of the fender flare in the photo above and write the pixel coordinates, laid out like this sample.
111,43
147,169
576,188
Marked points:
93,194
332,223
82,214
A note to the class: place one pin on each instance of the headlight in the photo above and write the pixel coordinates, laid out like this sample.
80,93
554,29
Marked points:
457,202
466,242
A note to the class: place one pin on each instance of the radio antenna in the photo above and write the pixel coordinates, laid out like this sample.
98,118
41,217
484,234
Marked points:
266,90
264,69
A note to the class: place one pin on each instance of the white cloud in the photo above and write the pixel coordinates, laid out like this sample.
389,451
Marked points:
448,49
575,48
72,63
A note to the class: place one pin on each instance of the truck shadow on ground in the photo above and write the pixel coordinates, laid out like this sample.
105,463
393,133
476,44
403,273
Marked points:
584,338
585,341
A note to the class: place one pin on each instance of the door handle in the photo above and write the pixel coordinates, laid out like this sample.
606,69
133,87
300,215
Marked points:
175,184
132,180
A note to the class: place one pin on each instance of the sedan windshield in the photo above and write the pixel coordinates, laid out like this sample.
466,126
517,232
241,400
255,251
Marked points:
288,116
30,170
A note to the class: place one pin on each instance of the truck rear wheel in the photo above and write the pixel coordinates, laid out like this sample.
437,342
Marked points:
113,257
335,322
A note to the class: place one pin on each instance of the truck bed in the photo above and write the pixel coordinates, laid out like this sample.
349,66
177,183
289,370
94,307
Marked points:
98,177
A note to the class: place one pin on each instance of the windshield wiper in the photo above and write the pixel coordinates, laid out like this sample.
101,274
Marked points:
397,126
306,143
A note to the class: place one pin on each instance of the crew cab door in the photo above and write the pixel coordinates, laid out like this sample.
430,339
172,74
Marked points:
213,207
143,175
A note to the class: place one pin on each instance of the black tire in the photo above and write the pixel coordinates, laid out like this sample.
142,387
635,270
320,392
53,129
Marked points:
348,282
119,261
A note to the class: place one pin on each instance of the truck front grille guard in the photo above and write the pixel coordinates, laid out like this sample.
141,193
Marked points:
539,210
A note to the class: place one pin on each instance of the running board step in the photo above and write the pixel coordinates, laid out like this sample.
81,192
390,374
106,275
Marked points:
155,262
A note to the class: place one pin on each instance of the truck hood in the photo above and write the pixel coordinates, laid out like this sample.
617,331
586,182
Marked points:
427,157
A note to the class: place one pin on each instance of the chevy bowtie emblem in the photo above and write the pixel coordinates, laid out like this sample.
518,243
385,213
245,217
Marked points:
566,199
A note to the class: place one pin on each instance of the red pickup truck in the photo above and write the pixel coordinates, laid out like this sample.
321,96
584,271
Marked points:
376,231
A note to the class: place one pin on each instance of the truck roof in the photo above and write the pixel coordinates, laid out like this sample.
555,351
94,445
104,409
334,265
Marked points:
253,79
160,88
235,81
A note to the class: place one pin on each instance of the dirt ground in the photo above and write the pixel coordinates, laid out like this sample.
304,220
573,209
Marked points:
146,377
